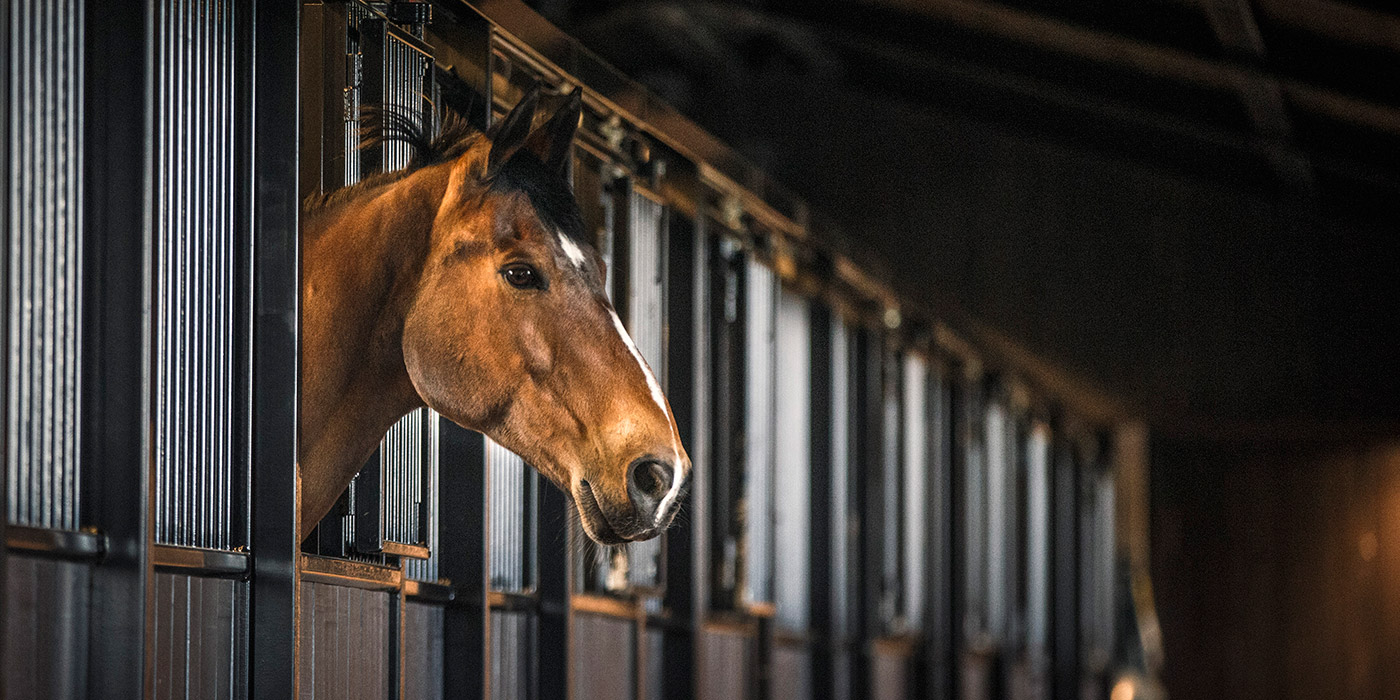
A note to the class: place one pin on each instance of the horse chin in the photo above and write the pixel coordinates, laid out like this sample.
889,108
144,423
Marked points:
595,524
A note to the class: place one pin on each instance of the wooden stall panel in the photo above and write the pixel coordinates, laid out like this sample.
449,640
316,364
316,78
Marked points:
890,674
422,651
792,672
45,629
656,685
512,669
200,638
345,643
604,667
728,668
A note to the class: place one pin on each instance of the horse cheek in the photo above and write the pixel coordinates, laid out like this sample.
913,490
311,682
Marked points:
536,352
437,364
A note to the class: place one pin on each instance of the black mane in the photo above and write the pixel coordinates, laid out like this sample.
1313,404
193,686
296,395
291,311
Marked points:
549,193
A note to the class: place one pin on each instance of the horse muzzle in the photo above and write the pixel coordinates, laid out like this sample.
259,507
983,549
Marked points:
655,489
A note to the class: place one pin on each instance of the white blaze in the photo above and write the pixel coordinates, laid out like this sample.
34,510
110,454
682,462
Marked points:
660,400
571,249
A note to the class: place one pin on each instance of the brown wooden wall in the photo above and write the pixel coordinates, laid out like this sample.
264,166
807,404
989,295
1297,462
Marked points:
1277,571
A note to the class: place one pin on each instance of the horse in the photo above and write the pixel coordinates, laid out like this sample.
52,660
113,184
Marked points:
465,282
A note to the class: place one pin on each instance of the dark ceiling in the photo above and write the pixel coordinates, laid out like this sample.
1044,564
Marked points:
1192,203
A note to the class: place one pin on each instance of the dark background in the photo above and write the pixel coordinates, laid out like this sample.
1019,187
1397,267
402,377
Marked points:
1191,205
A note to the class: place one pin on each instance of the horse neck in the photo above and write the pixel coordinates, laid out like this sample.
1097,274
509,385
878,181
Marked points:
360,267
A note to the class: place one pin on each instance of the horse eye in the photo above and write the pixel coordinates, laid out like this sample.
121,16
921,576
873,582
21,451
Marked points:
522,276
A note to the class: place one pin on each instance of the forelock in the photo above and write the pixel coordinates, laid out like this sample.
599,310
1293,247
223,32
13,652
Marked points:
549,195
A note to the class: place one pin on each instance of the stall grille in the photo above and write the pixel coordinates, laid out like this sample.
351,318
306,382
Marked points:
44,204
513,503
195,279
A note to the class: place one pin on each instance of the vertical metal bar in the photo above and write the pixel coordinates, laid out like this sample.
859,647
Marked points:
466,652
822,532
269,89
7,157
684,356
867,436
941,575
1065,637
117,456
555,575
241,239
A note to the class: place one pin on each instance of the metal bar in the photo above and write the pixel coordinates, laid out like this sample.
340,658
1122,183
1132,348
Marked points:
1065,637
61,544
194,561
513,602
428,592
604,605
822,559
467,624
269,81
685,354
941,579
6,156
350,574
405,551
868,403
728,329
556,567
116,455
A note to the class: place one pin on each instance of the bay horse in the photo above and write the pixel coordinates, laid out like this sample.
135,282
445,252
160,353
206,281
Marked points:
465,282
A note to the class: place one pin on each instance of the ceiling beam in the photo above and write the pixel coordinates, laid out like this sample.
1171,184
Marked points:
1334,20
1159,61
1235,28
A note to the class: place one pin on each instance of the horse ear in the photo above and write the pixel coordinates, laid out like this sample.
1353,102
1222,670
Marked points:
551,141
509,135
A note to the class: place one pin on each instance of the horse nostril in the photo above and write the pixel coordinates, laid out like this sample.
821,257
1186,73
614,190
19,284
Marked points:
648,482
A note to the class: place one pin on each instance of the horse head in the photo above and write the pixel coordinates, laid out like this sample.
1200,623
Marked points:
501,323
